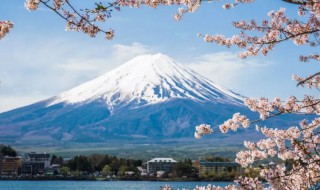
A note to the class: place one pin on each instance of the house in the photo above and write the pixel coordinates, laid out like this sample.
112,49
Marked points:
35,163
160,164
218,168
142,170
10,165
160,173
129,173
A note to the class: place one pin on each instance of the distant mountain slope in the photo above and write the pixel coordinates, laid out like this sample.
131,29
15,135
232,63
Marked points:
151,97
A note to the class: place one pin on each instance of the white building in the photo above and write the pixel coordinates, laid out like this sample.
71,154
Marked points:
35,163
160,164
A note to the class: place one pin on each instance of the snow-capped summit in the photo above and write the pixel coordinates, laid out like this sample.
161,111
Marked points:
147,79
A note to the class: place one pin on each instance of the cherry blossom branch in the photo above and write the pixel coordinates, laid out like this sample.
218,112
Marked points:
308,162
76,20
89,27
45,3
5,27
277,29
301,81
301,2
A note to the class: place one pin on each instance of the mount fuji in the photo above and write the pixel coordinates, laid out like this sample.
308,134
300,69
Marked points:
146,80
149,97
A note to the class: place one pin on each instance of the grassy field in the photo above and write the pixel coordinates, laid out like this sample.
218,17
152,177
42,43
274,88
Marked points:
142,150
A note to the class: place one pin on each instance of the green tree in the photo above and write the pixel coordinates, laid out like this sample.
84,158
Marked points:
80,163
8,151
217,159
122,170
106,170
184,169
64,170
98,161
56,160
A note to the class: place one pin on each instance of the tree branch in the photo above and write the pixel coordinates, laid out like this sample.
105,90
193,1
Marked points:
308,78
299,2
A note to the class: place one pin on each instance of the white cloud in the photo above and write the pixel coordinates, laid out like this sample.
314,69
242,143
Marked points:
53,66
226,69
16,101
106,58
124,53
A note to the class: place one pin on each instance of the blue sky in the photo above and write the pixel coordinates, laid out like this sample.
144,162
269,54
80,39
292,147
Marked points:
39,59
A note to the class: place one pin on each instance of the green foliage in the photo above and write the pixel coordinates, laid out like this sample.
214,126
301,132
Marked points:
8,151
64,170
223,176
123,169
99,162
106,170
185,168
77,173
56,160
80,163
217,159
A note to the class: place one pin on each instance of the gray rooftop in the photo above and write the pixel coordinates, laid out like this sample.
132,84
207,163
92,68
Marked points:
163,160
227,164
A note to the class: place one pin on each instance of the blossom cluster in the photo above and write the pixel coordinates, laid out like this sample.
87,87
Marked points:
213,187
185,6
297,144
202,129
5,27
32,5
277,28
308,104
235,123
85,21
312,81
78,20
300,177
243,183
314,56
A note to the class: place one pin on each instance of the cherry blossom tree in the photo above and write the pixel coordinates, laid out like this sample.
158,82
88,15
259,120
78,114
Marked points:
300,143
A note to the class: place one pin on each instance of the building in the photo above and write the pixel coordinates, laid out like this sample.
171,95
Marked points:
10,166
1,158
142,170
35,163
54,169
129,173
160,164
219,168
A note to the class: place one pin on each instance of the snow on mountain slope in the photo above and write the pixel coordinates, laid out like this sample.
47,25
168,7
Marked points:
150,99
147,79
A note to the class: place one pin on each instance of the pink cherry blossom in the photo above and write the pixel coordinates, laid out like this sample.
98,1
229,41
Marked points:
5,27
